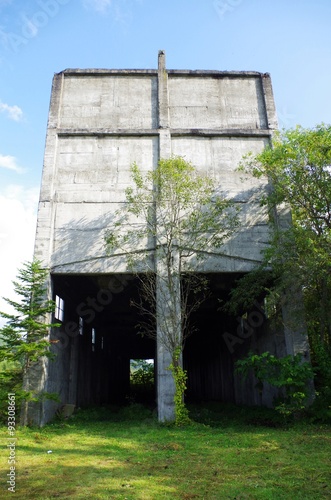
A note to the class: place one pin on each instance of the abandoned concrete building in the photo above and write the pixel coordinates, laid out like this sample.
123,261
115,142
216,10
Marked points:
100,122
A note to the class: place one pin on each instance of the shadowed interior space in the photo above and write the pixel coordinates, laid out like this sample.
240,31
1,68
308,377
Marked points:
216,342
99,335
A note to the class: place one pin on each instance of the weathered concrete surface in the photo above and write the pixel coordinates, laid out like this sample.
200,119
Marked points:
100,122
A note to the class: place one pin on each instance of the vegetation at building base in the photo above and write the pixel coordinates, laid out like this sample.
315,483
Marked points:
290,373
180,378
298,262
227,452
24,337
172,215
142,372
142,383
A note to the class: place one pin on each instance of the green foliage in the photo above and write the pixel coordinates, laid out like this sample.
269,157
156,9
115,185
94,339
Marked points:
142,373
298,260
180,377
290,373
298,167
321,408
24,337
181,411
172,215
250,288
176,206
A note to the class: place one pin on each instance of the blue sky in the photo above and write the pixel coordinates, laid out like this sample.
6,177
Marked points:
291,40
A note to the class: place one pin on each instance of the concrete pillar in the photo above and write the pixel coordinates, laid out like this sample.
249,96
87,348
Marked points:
295,328
47,207
73,375
163,108
34,381
295,331
272,123
169,335
165,382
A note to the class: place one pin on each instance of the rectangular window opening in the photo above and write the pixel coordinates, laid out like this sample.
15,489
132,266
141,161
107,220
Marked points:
93,339
142,372
59,308
80,325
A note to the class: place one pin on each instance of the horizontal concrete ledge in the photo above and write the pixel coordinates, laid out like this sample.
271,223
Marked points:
225,258
67,132
107,72
171,72
215,73
229,132
100,132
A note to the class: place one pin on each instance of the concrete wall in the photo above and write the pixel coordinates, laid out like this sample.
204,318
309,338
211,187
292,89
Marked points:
100,122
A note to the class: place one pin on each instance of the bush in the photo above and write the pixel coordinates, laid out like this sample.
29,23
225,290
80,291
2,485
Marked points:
290,373
142,373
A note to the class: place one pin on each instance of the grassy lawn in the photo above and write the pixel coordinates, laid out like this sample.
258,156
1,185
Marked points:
228,453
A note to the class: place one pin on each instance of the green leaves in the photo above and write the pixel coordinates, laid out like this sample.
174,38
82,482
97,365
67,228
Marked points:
180,377
298,166
171,214
290,373
174,208
24,338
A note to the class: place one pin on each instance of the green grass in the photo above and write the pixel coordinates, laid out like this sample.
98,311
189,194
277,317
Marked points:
227,453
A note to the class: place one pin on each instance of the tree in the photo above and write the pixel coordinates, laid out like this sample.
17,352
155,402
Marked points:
298,165
24,337
172,218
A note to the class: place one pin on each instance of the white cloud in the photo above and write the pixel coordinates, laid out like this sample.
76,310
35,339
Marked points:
18,213
13,112
98,5
10,162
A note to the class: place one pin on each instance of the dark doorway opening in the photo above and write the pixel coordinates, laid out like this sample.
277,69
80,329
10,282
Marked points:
142,381
98,337
220,339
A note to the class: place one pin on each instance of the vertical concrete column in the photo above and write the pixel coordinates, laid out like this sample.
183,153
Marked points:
295,328
269,102
163,108
73,375
46,210
164,299
165,382
34,380
295,331
36,377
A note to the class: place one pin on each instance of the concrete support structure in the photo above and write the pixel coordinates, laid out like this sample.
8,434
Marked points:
100,122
